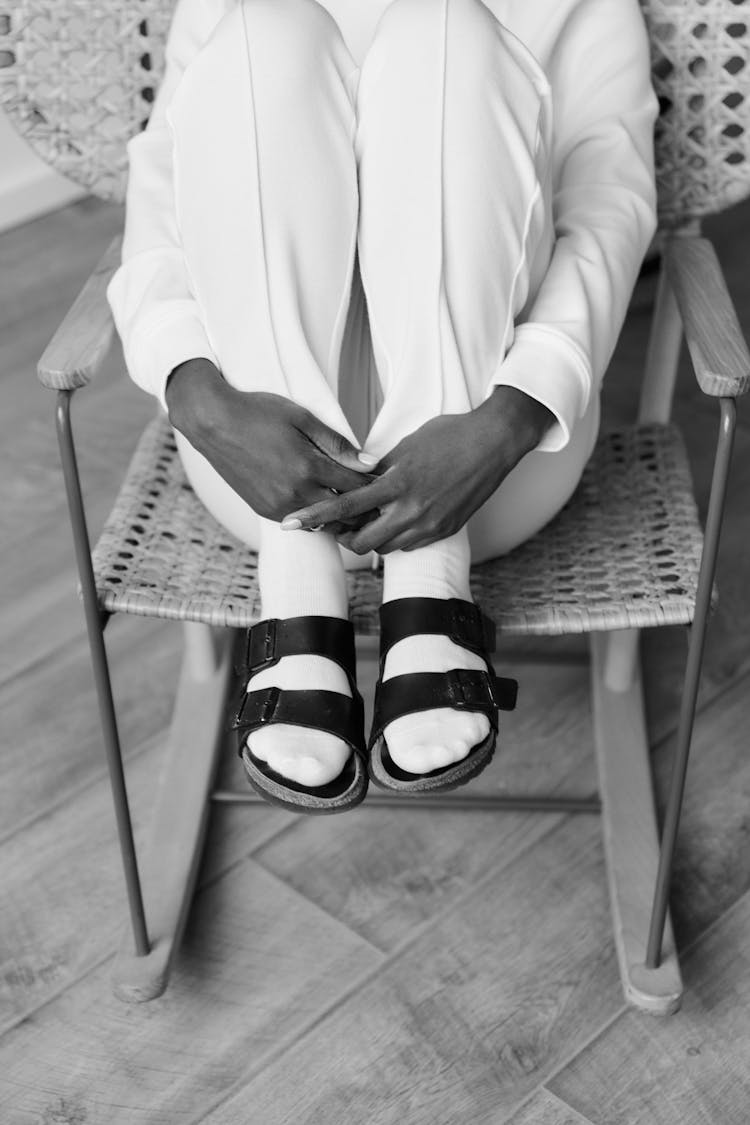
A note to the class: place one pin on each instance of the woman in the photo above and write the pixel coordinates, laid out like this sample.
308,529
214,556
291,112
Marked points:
469,185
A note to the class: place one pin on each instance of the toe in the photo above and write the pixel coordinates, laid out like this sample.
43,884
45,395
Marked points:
459,748
308,770
256,747
481,726
432,757
314,766
312,759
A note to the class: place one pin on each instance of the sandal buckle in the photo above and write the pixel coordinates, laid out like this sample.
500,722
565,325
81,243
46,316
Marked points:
236,721
469,692
261,646
464,688
268,707
264,715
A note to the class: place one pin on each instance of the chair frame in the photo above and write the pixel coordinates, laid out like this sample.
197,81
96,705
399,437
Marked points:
692,297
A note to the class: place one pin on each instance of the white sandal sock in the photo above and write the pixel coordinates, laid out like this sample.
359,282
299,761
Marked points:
299,574
428,740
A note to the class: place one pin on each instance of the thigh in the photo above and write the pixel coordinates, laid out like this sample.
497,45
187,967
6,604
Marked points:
536,490
266,197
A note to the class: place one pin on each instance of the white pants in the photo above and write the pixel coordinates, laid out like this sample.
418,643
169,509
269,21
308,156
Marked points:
305,183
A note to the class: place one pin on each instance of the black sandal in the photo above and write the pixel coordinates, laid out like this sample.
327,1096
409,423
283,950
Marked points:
267,643
461,689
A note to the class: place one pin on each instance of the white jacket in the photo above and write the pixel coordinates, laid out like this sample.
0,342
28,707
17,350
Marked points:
595,56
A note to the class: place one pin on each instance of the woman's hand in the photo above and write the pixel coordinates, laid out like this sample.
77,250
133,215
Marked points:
429,485
275,454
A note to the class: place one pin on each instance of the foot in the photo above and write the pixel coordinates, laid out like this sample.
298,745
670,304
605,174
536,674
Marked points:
300,573
430,740
309,757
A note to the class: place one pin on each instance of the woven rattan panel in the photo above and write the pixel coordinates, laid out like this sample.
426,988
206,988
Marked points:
624,552
78,79
700,63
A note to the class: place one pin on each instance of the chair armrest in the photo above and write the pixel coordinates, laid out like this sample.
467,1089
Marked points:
75,353
720,355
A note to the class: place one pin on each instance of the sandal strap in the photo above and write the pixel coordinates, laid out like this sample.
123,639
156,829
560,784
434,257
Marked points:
461,689
330,711
460,620
269,641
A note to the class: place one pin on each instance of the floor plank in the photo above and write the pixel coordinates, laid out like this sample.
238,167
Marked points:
107,421
64,905
34,271
471,1017
384,872
693,1067
258,964
715,820
546,1109
50,719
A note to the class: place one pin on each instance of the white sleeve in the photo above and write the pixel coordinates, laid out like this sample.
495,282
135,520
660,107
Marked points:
152,304
604,211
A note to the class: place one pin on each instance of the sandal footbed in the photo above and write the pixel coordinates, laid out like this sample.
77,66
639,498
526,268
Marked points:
436,781
288,794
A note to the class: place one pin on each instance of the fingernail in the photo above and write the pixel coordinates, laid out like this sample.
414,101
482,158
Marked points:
368,459
291,524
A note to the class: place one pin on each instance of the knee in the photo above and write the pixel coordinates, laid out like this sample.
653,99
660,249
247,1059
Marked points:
289,19
412,21
295,35
419,33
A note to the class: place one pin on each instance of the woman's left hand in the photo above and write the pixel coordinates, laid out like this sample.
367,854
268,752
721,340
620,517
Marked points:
429,484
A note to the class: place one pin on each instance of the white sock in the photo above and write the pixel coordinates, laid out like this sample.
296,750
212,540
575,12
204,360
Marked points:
428,740
300,573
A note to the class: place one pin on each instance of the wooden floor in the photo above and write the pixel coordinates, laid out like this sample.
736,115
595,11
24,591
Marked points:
379,967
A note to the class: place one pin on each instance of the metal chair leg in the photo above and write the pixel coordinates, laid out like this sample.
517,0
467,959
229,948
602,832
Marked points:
692,676
95,621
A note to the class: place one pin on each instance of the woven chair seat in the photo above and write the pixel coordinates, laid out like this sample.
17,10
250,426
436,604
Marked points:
624,552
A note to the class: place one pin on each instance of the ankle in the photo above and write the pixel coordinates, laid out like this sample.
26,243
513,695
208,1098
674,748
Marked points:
300,574
440,570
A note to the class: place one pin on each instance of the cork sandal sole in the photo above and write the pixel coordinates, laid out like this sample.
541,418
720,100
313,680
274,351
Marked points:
345,791
387,775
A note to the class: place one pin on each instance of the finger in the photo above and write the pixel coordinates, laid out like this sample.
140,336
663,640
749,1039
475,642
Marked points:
344,538
347,506
311,494
348,539
328,474
390,524
410,540
336,447
339,529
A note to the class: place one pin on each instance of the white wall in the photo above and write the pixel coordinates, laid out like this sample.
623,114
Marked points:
27,186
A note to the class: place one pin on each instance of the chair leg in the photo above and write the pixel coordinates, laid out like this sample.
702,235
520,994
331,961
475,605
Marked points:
631,841
180,816
95,628
692,676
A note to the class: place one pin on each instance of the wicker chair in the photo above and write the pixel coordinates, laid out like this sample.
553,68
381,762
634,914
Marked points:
647,561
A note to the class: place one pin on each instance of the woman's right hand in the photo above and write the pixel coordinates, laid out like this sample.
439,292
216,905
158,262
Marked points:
274,453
